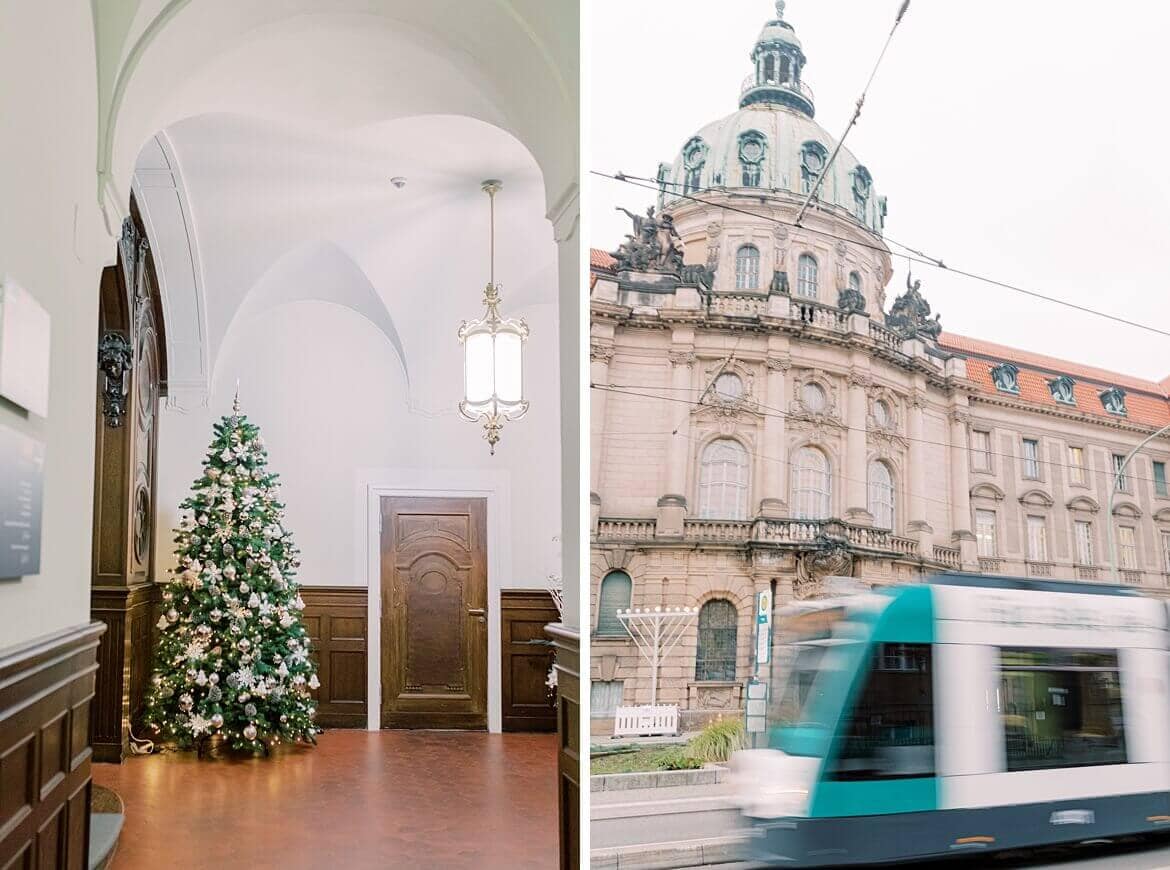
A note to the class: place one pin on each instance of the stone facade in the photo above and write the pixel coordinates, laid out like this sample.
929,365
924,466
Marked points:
978,442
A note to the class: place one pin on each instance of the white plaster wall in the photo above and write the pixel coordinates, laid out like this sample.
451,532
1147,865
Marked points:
327,390
53,244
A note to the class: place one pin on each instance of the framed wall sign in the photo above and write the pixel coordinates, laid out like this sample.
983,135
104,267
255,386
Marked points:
22,463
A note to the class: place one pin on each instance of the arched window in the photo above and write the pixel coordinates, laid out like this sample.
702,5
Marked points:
785,69
715,656
694,156
616,588
881,495
862,185
747,268
806,276
855,281
811,485
723,481
728,387
752,148
769,67
882,415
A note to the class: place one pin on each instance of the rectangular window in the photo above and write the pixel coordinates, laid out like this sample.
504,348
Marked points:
1166,552
985,532
1084,536
605,696
980,450
1076,464
1061,708
1127,548
1037,539
1031,458
1120,473
1160,478
889,733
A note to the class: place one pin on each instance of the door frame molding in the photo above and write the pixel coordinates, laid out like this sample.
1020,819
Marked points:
375,483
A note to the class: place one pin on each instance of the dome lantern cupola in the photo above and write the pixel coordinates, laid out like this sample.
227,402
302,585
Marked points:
778,63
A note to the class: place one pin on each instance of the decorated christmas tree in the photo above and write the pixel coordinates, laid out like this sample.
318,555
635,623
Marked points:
233,654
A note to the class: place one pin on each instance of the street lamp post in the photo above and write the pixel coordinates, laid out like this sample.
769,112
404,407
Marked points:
1118,473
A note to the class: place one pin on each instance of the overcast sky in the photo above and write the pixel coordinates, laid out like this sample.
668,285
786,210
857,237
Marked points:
1026,141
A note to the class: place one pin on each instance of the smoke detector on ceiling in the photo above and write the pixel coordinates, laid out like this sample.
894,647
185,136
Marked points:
398,181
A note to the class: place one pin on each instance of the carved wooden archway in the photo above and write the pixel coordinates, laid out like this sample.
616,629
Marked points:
131,380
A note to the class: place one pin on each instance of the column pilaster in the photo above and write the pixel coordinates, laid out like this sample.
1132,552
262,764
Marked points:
918,526
772,502
856,472
961,533
672,506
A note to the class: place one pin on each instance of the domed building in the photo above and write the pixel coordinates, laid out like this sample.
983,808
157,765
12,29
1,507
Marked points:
763,422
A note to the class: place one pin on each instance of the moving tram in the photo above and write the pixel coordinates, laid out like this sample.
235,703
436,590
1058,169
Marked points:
969,714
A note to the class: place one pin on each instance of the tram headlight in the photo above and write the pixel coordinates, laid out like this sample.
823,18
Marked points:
772,784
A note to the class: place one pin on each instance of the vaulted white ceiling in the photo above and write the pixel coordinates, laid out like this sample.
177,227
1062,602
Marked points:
246,214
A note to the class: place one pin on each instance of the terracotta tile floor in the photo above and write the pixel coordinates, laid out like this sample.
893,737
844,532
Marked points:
417,799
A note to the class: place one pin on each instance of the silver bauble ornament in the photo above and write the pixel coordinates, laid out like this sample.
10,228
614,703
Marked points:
250,732
216,720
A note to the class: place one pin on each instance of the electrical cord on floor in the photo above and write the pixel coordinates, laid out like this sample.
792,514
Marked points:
139,745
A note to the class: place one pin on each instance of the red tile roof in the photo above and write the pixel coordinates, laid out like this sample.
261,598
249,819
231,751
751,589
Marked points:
965,345
599,259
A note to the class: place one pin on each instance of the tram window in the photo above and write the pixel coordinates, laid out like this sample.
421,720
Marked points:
1061,708
889,733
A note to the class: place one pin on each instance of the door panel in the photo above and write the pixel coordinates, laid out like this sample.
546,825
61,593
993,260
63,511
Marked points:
434,613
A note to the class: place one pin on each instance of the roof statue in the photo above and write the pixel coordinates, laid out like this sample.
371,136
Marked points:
654,246
910,314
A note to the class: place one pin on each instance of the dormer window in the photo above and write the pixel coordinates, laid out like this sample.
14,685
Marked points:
813,158
694,156
1006,378
751,157
1062,390
1113,400
862,187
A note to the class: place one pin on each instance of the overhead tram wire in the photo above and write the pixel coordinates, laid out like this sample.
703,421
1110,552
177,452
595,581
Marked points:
769,411
852,120
914,256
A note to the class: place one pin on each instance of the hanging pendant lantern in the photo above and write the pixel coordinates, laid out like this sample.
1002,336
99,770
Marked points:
493,366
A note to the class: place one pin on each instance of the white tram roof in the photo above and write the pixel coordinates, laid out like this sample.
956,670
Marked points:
1008,611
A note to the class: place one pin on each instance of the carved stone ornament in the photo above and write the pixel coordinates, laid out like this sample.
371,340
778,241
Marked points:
114,360
681,357
700,275
828,555
851,300
779,282
600,352
910,314
778,363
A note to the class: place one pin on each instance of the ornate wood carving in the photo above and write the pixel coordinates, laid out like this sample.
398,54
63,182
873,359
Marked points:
130,386
45,692
526,655
336,619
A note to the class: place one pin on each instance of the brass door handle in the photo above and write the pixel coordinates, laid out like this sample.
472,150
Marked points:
476,611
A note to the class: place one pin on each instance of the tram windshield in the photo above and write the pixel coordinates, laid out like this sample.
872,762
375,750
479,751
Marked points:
806,657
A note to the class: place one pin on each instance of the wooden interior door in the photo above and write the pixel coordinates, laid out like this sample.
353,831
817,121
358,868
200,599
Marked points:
434,613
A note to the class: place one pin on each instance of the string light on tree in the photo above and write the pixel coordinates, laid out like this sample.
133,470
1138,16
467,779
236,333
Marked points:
233,655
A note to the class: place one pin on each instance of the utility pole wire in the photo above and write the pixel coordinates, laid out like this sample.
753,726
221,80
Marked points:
915,255
853,120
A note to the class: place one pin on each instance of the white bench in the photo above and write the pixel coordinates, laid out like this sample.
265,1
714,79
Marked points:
646,721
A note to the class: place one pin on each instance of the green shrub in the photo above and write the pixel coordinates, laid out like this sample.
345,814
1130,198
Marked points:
679,759
718,740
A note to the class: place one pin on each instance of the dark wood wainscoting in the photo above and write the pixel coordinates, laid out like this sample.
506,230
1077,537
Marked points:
45,692
526,657
568,647
336,619
125,658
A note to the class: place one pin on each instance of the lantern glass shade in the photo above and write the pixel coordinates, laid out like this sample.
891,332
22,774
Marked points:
509,386
478,369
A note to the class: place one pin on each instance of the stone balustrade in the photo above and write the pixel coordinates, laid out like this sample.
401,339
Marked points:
717,531
738,304
625,530
948,556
